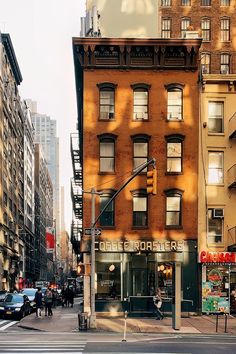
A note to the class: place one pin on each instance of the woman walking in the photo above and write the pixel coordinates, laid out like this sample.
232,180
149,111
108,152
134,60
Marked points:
158,303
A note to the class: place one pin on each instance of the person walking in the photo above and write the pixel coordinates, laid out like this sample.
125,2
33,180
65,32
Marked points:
157,299
48,302
38,299
71,296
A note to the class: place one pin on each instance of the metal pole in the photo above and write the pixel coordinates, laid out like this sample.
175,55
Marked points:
92,290
125,327
217,316
226,317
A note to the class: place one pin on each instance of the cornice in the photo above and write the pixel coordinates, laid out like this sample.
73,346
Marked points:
6,39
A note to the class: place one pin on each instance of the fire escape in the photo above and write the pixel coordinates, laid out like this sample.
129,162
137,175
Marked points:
76,193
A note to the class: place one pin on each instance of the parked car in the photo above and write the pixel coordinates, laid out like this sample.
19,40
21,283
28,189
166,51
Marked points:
15,305
3,294
30,293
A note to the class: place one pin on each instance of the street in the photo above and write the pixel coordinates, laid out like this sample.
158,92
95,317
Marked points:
88,343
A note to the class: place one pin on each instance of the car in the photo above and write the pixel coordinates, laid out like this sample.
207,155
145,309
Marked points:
3,294
15,305
30,293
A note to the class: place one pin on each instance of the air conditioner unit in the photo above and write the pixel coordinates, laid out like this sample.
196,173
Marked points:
218,213
224,71
141,115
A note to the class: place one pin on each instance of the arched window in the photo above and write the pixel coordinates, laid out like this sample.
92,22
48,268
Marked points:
107,153
173,208
174,101
140,208
107,100
174,148
140,149
141,92
108,216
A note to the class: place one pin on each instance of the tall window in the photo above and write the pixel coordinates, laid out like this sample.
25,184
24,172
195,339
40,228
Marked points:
215,117
140,208
107,153
166,28
140,111
186,2
173,208
206,29
215,227
224,2
215,167
107,217
224,63
205,63
165,2
185,23
140,149
174,153
205,2
224,29
175,102
107,101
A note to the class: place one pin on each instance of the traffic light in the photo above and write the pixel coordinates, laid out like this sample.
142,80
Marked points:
80,269
152,181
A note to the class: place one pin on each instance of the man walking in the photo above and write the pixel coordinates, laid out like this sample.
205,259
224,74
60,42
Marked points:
38,301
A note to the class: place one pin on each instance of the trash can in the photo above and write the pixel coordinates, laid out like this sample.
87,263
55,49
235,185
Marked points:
83,321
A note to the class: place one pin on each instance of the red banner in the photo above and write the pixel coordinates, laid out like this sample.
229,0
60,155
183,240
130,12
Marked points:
50,239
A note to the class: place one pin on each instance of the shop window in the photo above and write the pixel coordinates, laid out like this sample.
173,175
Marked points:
174,153
215,167
205,63
174,101
107,217
225,29
215,226
140,110
215,117
166,28
173,208
206,29
140,211
185,23
224,63
140,150
107,101
107,153
108,280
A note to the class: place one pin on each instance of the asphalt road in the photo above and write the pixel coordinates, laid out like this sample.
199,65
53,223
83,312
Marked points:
29,342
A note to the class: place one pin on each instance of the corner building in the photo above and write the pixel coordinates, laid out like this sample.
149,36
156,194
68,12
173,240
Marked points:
138,98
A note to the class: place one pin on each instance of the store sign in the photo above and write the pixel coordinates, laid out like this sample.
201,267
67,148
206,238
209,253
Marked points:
136,246
217,257
215,276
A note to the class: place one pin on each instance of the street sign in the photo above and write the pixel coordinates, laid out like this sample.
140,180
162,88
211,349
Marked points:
88,232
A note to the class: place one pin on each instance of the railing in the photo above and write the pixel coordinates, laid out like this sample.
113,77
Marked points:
231,176
232,126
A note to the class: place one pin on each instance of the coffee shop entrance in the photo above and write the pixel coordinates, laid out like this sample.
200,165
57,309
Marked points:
128,280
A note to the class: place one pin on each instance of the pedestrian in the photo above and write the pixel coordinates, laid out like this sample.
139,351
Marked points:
48,302
157,299
67,296
38,299
71,296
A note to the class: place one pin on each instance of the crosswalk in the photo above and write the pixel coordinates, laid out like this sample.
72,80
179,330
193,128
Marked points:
44,347
6,324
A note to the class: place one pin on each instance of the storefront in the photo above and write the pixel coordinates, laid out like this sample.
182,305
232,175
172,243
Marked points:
129,272
218,281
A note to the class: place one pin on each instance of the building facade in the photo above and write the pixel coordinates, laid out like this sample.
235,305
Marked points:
139,99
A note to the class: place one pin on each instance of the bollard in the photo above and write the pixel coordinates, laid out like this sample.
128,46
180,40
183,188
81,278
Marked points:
125,327
83,321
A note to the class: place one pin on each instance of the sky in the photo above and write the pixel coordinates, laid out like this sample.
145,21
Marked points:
41,32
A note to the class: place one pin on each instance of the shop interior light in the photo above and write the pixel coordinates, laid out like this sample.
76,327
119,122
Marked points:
162,267
112,267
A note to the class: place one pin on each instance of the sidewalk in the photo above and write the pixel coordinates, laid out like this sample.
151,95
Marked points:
66,320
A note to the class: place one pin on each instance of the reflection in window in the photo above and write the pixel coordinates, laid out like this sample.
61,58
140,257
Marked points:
215,117
140,210
215,228
140,150
107,217
107,100
224,63
175,104
140,104
107,155
224,29
108,279
174,154
185,23
215,167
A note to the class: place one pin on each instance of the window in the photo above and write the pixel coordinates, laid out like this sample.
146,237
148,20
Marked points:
174,153
215,227
215,167
140,111
224,29
205,63
107,217
205,2
215,117
186,2
185,23
175,101
224,2
5,199
206,29
107,101
173,208
140,208
140,150
107,152
165,2
166,28
224,63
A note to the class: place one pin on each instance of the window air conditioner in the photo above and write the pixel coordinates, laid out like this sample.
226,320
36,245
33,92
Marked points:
141,115
224,71
218,213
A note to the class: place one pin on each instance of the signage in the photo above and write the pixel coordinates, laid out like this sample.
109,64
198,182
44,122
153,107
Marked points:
136,246
50,239
217,257
88,232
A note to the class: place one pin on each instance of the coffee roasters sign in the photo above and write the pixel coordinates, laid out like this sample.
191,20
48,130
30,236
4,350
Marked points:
136,246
